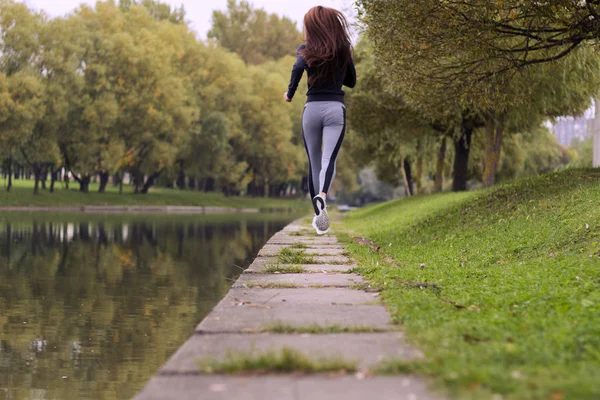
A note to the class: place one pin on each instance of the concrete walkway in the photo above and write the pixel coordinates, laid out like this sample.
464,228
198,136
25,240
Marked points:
322,294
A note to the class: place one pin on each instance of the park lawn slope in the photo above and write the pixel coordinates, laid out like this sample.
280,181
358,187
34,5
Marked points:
499,288
21,195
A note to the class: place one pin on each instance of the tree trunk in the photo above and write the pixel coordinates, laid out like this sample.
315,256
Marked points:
192,183
419,167
103,181
44,177
84,183
494,129
439,166
37,172
10,162
149,182
53,179
138,181
409,176
181,176
462,147
210,185
405,176
116,180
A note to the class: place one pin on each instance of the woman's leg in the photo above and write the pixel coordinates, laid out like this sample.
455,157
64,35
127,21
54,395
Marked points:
334,129
312,131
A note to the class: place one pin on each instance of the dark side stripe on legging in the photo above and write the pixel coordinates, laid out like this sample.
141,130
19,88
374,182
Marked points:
331,166
311,186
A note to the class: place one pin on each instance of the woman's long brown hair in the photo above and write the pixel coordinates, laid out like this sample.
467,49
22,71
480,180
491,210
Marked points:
328,45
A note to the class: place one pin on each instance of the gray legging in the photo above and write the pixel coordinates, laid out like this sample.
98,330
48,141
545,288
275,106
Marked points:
323,128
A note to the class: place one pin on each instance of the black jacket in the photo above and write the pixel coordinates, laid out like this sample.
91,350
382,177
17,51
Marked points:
329,90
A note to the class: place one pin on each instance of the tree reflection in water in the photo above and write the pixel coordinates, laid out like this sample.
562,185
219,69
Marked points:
90,308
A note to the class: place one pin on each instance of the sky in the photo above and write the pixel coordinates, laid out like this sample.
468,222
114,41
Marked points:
199,12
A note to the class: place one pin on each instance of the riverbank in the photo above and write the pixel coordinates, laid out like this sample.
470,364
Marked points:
500,289
298,324
21,197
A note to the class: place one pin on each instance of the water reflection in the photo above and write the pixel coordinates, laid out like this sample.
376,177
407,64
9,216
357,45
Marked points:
91,308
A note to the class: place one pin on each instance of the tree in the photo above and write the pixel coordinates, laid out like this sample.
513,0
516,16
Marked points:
420,44
253,33
20,88
391,131
21,105
132,70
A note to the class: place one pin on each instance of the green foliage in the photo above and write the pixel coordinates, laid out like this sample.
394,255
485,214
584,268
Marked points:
512,284
253,33
444,61
524,155
128,89
584,150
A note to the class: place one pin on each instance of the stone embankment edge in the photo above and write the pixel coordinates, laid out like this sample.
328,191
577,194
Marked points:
134,209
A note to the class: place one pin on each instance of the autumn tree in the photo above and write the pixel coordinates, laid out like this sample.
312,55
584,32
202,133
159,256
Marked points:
254,34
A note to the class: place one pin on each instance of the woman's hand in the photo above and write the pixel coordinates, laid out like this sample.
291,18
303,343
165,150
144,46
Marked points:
286,98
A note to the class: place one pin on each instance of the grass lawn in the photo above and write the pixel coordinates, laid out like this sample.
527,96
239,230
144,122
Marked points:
22,195
499,288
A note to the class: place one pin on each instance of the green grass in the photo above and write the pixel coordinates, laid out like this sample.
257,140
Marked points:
302,232
22,195
508,300
288,256
284,361
285,269
298,246
317,329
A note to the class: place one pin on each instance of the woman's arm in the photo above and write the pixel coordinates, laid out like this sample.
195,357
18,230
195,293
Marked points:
297,71
350,78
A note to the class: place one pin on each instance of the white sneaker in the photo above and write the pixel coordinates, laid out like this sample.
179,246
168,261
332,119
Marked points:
321,221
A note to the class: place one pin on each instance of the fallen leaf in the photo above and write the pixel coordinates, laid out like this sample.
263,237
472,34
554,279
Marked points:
557,396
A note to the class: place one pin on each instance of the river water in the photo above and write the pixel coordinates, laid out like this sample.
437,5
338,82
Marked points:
92,306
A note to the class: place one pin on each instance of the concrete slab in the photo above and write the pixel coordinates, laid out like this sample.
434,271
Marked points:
252,309
259,267
273,250
285,387
288,239
366,349
301,280
315,245
317,260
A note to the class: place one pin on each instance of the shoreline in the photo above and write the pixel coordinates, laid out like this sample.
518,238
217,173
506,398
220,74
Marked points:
328,314
134,209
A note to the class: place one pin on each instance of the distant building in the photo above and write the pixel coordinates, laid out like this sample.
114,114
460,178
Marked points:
566,129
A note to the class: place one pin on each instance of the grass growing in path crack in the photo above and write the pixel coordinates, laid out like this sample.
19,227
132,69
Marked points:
272,285
317,329
500,289
288,256
286,360
298,246
302,232
285,269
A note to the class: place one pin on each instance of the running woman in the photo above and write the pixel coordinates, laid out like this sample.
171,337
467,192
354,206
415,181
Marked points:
327,58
